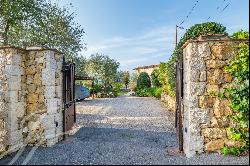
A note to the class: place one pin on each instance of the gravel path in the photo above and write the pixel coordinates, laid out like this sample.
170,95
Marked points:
124,130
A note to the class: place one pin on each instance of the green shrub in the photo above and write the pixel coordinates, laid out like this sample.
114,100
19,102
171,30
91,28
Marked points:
156,92
154,78
239,96
116,88
143,81
145,92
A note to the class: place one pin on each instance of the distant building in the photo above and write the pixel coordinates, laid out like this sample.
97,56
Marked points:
147,69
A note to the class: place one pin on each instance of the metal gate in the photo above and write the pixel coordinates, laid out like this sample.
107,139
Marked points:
179,103
69,117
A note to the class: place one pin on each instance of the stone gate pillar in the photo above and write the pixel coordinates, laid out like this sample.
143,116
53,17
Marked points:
205,116
31,101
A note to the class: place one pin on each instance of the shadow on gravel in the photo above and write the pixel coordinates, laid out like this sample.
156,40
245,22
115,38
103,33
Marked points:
100,146
106,146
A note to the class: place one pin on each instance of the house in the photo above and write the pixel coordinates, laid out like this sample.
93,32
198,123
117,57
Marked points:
147,69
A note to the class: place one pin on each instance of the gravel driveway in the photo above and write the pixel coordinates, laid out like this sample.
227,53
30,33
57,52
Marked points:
124,130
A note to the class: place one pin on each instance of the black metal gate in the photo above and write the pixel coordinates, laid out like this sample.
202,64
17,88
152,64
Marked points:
179,103
69,117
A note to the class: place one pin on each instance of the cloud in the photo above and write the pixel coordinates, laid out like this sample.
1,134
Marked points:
151,46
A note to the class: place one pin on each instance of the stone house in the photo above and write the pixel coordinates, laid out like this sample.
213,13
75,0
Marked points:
147,69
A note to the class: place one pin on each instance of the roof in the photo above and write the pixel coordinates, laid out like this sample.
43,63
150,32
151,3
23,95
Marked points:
146,67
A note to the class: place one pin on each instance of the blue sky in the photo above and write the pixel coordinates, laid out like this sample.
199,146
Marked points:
142,32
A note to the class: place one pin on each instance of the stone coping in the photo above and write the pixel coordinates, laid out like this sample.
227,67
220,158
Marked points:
31,48
224,39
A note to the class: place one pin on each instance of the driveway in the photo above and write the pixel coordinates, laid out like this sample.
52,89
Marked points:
125,130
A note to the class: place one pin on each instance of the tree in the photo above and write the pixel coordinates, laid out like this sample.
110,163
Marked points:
143,81
38,22
126,79
154,78
103,68
80,65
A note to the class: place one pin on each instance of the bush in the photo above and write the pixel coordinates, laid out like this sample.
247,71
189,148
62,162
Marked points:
155,79
145,92
116,88
143,81
239,96
156,92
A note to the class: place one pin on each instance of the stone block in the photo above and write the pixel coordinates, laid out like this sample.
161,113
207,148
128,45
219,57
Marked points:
203,76
36,108
30,79
48,77
32,88
232,143
52,105
31,70
15,137
17,109
214,145
37,79
197,64
14,83
49,92
32,98
213,88
214,133
12,96
206,101
50,133
48,122
223,52
204,50
198,116
41,98
215,76
214,64
228,78
33,126
13,70
197,88
220,122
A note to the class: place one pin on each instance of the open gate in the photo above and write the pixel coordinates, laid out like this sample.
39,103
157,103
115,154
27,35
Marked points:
69,116
179,103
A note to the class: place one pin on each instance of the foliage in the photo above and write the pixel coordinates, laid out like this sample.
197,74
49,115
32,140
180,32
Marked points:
102,68
126,78
154,78
143,81
240,35
31,22
239,96
156,92
117,88
133,81
192,33
80,65
144,92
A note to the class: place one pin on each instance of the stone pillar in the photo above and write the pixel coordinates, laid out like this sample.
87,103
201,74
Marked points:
45,101
12,94
31,101
205,115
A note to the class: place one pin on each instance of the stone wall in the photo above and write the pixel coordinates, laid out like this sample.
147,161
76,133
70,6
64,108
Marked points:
169,101
31,101
205,115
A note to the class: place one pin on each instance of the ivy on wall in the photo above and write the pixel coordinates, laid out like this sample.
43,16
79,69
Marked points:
239,96
192,33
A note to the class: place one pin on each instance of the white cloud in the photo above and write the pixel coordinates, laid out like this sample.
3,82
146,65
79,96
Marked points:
154,44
